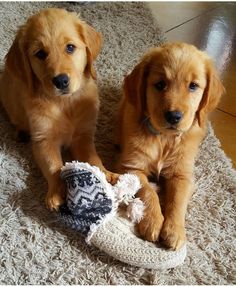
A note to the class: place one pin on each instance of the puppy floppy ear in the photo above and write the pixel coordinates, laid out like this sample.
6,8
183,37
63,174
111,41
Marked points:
135,87
16,60
211,95
93,41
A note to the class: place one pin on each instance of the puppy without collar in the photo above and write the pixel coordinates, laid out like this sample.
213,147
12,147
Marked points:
48,89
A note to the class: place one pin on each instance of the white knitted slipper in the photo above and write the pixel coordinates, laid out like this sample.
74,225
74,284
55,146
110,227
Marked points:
117,238
91,209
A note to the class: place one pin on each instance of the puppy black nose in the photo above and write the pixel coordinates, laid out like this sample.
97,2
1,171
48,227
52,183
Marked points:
173,117
61,81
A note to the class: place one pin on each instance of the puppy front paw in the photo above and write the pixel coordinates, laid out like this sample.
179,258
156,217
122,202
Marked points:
172,235
150,226
112,178
55,197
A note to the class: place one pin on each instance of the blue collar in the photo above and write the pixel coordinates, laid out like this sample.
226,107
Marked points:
150,127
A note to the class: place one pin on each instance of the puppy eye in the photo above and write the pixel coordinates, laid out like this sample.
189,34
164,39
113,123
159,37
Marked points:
161,85
41,54
70,48
193,86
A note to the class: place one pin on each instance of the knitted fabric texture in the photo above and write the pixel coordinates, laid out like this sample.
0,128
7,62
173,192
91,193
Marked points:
87,198
118,238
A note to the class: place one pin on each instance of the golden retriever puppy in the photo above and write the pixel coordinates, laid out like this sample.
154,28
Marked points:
48,89
162,121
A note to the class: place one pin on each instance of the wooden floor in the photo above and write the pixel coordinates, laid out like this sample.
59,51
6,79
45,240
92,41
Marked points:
210,26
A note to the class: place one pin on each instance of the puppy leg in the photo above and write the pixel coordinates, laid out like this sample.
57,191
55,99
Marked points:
178,190
48,156
83,149
150,226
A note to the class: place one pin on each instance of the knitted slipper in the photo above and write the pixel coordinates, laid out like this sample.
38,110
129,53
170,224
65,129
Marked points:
91,209
90,200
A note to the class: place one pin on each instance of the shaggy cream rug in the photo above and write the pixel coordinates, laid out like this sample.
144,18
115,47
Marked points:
35,248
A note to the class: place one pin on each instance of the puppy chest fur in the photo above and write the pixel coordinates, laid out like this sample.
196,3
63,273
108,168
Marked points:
154,154
63,119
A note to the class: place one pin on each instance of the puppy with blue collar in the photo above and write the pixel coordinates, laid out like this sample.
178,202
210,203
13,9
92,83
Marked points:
162,121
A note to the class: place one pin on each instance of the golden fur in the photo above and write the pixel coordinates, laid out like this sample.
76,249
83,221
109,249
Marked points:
160,83
54,117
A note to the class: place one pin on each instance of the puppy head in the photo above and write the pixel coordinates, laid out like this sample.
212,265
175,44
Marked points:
54,49
173,85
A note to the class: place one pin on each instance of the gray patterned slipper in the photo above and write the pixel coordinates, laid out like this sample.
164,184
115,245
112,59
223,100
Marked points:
91,209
